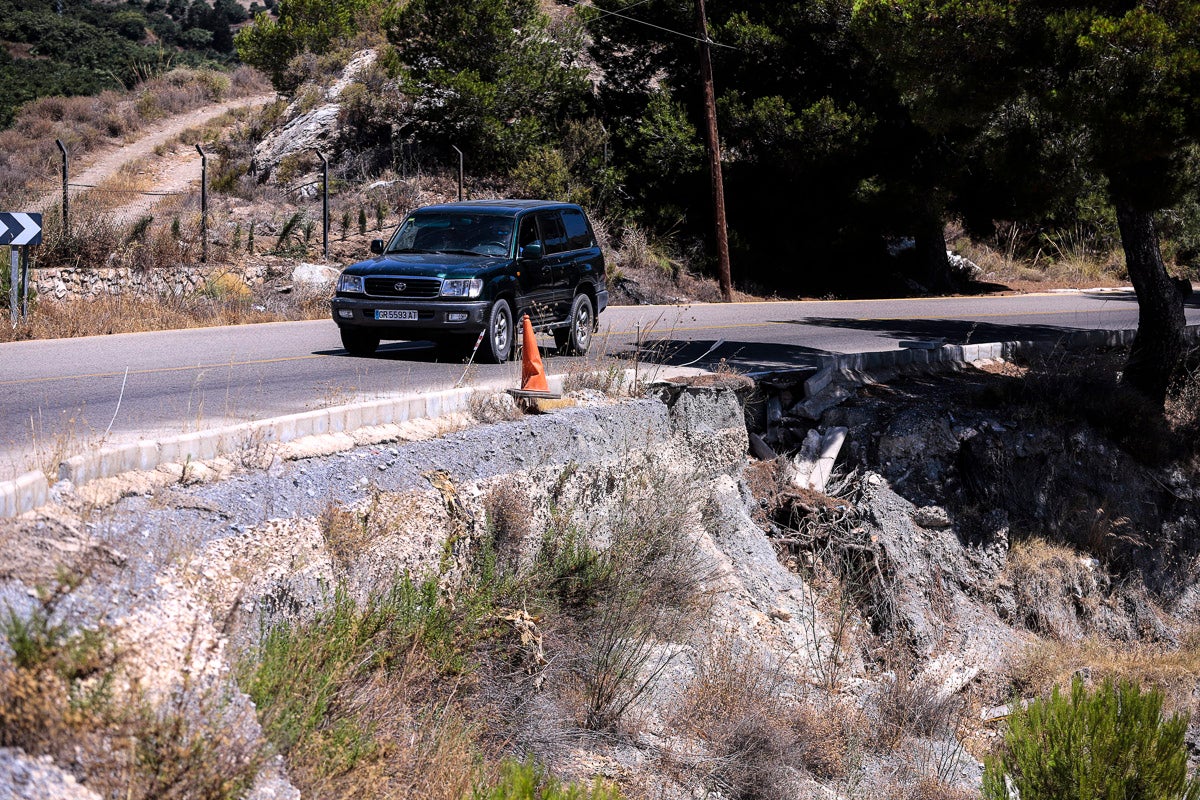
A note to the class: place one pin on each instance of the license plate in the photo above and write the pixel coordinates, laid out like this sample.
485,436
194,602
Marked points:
393,315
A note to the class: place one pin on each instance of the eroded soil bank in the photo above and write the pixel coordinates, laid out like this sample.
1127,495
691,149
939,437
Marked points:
614,590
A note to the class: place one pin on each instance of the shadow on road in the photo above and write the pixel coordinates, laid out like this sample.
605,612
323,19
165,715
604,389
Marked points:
954,331
1129,297
743,356
420,352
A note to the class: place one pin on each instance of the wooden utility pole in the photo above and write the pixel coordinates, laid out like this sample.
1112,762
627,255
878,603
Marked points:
714,156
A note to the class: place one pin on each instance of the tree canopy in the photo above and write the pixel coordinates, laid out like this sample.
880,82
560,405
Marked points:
1114,88
486,75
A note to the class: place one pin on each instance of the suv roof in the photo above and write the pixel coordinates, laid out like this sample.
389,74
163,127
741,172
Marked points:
497,206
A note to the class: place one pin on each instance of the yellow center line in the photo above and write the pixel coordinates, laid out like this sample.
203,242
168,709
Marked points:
649,329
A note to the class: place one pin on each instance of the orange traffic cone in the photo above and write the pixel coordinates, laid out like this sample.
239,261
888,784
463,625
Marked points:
533,373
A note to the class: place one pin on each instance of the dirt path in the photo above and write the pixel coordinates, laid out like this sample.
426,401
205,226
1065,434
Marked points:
169,173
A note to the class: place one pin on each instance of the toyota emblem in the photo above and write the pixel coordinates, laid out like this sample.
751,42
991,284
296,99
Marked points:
400,286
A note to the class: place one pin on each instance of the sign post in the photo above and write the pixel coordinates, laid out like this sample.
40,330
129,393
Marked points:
17,231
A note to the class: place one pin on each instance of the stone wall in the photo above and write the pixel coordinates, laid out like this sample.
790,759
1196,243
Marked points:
74,283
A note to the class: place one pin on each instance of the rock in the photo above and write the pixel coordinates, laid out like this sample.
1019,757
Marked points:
316,129
314,275
932,517
963,267
23,777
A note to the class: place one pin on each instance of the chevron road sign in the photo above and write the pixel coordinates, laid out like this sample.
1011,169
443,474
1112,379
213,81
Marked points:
20,229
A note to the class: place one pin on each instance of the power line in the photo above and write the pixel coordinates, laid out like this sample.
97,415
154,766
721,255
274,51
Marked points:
656,27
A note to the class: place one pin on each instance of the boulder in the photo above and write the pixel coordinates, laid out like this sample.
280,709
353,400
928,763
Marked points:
316,275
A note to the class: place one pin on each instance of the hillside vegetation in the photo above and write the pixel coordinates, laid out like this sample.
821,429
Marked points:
83,47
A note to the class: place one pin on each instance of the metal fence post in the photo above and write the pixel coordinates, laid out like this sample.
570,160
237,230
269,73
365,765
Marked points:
66,203
203,204
324,205
460,173
15,256
25,283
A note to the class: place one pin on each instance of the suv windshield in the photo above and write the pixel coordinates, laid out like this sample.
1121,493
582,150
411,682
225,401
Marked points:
469,234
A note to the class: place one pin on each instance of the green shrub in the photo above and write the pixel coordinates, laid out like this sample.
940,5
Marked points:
528,781
1111,744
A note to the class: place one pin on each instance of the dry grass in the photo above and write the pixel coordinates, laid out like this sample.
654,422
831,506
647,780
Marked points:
1057,590
908,705
1019,256
1183,405
29,158
756,734
1171,669
64,695
131,313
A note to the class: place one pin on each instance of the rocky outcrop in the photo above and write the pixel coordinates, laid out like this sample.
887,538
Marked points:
314,128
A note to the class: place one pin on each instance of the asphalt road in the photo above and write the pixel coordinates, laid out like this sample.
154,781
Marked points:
60,395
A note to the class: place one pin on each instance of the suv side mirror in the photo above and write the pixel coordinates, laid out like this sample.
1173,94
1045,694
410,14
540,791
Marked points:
532,251
377,246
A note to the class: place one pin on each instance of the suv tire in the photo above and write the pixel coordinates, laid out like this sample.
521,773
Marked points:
359,342
576,338
498,342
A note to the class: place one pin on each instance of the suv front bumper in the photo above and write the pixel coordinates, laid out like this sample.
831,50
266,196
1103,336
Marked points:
433,316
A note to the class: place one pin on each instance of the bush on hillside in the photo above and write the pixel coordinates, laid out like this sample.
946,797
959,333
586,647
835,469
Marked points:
1110,743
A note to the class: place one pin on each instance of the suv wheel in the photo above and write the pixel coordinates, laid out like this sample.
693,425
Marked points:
498,343
575,339
359,343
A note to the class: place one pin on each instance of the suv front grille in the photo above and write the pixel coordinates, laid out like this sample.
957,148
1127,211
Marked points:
412,287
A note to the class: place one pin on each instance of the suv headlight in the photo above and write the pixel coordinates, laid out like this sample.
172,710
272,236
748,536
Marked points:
467,287
351,284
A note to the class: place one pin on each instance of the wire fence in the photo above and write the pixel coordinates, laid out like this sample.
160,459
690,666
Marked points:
165,215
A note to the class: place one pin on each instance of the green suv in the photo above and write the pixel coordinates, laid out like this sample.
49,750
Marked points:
454,271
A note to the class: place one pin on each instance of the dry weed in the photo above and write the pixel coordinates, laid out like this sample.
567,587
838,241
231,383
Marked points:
1057,590
132,313
755,734
908,705
345,533
509,519
1171,669
61,696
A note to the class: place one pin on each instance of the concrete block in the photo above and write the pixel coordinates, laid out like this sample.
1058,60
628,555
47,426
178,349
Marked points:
148,454
8,499
31,491
75,470
878,359
415,408
433,405
187,448
970,353
817,383
370,414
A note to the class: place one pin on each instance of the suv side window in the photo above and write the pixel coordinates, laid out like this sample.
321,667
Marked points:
554,237
578,235
528,233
